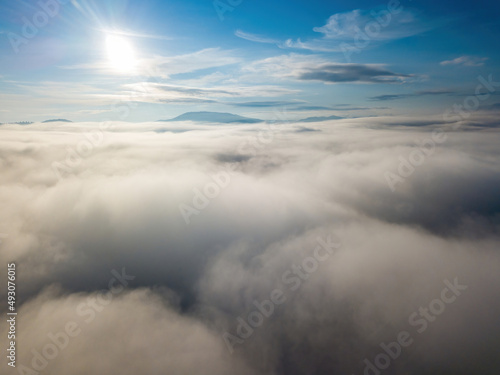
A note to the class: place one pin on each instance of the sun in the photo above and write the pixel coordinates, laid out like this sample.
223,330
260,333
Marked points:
121,55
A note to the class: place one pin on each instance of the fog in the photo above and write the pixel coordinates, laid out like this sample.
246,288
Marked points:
208,220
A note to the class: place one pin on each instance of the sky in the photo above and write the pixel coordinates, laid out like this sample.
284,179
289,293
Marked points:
350,225
82,60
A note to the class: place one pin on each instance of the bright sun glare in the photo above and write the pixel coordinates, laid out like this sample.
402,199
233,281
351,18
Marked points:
120,53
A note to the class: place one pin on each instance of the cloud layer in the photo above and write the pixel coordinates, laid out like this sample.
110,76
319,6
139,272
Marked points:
119,207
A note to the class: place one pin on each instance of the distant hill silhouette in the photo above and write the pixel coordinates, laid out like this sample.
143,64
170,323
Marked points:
230,118
17,123
220,117
56,120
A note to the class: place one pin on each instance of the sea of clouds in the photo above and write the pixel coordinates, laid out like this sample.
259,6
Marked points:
278,249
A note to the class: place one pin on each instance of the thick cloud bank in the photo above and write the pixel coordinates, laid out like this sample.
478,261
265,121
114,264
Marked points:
354,246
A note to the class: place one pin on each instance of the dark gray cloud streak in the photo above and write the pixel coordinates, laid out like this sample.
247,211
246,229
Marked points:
339,73
413,95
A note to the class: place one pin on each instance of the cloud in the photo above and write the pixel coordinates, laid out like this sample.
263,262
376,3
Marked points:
120,208
203,59
254,38
159,92
388,97
151,92
154,329
465,61
311,68
166,66
375,25
100,99
134,34
340,73
347,25
263,104
312,108
335,107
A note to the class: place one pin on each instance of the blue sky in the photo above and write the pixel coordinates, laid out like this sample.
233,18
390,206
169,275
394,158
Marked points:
147,60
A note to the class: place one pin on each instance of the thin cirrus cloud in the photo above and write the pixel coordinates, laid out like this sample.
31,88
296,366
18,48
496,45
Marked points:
133,34
255,38
73,93
264,104
166,66
160,92
465,61
388,97
312,108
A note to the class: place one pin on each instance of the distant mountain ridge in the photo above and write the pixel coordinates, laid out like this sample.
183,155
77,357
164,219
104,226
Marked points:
220,117
31,122
56,120
230,118
17,123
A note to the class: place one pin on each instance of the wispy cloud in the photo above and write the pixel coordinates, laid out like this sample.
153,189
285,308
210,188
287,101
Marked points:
264,104
311,108
135,34
466,61
255,38
412,95
356,24
349,25
150,92
203,59
166,66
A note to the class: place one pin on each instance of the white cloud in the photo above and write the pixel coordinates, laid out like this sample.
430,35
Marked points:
150,334
120,208
466,61
191,62
166,66
348,25
371,26
254,38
